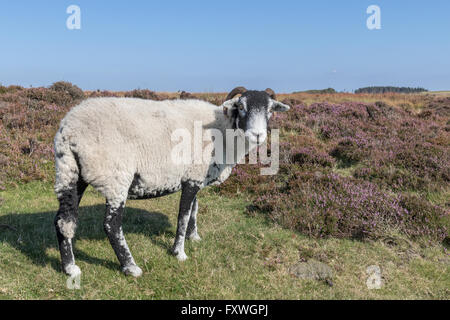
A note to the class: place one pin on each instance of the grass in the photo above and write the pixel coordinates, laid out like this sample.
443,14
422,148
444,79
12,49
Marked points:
245,254
240,256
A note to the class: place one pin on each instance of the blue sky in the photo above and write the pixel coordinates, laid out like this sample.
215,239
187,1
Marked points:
216,45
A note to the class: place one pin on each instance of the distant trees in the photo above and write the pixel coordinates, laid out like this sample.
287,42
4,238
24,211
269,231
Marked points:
378,89
390,89
322,91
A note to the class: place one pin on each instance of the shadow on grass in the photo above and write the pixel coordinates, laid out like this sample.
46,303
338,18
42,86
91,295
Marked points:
34,233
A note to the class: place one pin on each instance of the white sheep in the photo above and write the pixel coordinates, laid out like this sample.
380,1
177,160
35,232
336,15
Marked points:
122,147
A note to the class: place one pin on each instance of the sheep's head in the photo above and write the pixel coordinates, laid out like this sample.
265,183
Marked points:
251,111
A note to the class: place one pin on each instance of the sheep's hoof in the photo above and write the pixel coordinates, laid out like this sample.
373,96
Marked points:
181,256
132,270
72,270
195,237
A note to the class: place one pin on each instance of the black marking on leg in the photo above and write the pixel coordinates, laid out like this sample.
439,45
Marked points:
188,193
65,224
192,225
81,187
113,229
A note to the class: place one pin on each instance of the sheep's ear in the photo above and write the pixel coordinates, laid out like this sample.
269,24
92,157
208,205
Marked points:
278,106
229,105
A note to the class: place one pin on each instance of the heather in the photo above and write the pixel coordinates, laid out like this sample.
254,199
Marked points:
351,165
340,183
356,170
29,118
328,204
28,123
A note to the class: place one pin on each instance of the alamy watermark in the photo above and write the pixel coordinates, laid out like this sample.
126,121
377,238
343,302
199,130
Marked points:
374,20
205,146
374,281
73,22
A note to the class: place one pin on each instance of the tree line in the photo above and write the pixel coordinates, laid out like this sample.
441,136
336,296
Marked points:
390,89
321,91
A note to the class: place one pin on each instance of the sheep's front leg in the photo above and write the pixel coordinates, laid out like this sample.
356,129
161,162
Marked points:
188,199
192,233
113,229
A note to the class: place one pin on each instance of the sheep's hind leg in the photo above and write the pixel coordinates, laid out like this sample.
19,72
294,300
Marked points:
192,233
188,195
113,229
65,225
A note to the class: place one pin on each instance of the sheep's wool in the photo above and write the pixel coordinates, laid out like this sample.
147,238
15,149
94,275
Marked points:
122,146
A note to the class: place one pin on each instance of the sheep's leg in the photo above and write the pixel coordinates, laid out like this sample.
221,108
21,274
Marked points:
188,194
81,187
113,229
65,225
191,232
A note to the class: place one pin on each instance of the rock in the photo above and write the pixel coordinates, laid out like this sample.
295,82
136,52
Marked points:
313,270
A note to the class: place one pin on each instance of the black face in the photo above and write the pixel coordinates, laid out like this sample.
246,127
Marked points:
252,114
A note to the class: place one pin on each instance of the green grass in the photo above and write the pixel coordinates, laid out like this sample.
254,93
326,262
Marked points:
240,256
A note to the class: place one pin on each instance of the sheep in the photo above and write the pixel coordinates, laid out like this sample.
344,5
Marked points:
122,147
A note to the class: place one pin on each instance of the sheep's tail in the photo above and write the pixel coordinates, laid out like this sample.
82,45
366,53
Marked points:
66,164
